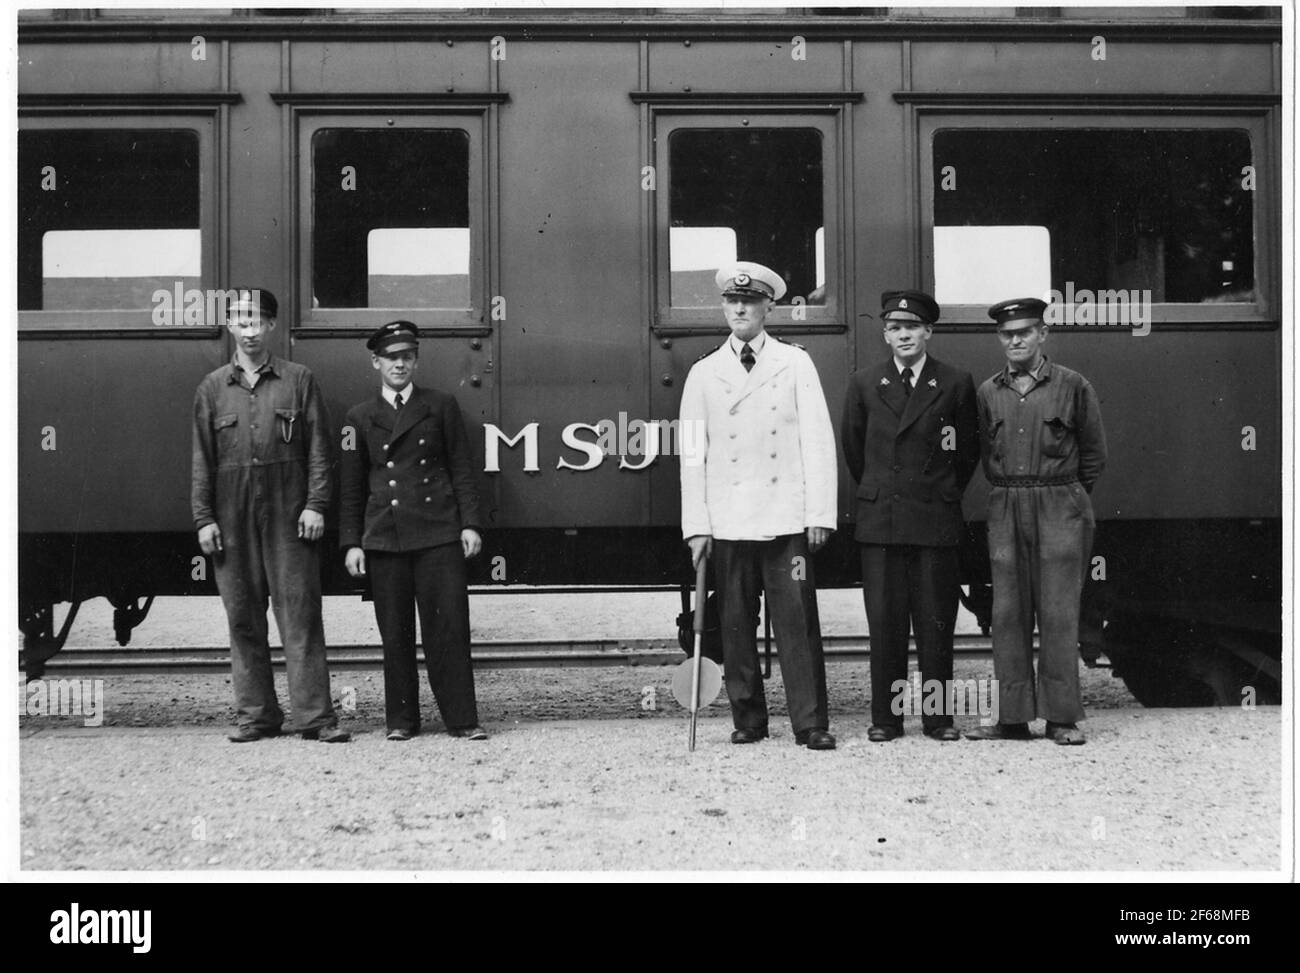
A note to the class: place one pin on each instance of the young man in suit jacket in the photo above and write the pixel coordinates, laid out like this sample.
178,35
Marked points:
410,519
911,439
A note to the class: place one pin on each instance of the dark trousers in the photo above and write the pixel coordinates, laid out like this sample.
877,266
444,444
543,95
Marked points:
262,558
783,568
908,586
431,581
1040,539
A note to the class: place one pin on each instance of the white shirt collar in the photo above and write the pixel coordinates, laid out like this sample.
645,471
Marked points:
756,346
916,367
391,397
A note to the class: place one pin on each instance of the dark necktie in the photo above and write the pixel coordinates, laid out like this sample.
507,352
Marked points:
907,381
747,356
397,402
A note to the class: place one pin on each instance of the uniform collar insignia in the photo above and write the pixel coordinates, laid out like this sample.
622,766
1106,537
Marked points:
884,381
933,383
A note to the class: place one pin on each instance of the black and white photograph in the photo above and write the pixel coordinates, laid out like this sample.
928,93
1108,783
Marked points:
732,443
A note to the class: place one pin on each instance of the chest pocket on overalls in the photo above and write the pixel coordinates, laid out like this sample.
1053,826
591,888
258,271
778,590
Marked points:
286,424
1057,432
227,428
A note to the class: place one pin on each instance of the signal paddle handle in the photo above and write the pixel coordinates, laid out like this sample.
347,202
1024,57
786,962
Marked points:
698,627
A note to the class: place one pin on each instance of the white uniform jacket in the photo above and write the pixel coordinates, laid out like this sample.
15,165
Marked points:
757,448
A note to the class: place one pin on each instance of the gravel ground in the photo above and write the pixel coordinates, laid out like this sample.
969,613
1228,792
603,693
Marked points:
579,775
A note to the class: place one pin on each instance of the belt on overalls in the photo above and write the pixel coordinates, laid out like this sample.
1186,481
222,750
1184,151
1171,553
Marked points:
1033,481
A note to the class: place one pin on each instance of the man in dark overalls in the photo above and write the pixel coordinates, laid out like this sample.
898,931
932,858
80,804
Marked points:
261,485
1043,449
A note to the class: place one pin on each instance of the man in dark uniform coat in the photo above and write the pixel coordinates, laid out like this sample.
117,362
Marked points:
410,519
910,437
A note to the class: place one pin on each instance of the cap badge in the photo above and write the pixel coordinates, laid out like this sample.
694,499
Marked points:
742,280
903,303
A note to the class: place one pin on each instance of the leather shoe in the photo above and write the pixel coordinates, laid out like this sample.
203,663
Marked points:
400,736
883,734
944,733
251,734
327,734
1000,731
815,739
1066,734
748,736
470,733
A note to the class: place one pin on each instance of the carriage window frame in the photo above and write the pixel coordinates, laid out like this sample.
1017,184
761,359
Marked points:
112,320
829,315
365,319
1260,311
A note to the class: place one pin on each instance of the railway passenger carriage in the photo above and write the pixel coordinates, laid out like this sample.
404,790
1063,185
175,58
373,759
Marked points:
546,195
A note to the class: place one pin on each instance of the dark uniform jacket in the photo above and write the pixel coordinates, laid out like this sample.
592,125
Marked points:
408,483
909,487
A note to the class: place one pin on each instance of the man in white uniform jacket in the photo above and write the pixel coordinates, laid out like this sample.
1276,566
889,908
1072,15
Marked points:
758,493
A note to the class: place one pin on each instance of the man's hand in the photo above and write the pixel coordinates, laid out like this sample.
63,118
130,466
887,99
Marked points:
470,542
817,538
701,547
311,525
355,561
210,539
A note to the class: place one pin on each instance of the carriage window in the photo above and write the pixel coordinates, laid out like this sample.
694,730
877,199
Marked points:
746,194
390,223
1027,211
106,218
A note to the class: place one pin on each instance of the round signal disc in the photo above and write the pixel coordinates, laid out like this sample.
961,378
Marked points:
710,682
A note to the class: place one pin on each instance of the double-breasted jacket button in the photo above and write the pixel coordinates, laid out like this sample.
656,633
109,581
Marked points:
428,499
422,462
394,502
392,483
390,464
421,442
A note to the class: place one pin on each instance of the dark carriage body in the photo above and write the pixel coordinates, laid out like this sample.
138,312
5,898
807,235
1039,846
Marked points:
579,142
